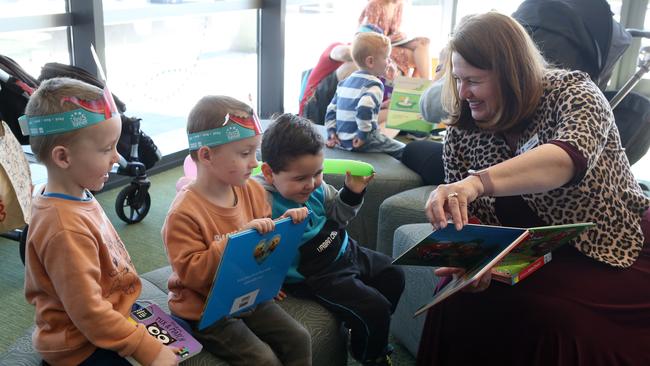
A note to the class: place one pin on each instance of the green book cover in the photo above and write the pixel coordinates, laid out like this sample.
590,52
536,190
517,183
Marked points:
404,108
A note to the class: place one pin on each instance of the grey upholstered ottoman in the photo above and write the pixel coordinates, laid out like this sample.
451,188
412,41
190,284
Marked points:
22,352
418,290
403,208
329,340
391,177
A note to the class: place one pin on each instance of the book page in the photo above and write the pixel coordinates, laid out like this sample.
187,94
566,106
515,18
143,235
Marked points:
545,239
469,248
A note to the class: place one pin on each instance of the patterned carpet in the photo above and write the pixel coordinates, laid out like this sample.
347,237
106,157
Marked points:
145,247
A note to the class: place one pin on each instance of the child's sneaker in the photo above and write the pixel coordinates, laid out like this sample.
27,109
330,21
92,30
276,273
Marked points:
384,360
379,361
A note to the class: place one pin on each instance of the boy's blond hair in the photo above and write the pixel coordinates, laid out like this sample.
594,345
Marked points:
47,99
210,113
368,44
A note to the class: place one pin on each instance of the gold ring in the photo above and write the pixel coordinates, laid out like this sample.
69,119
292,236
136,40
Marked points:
453,194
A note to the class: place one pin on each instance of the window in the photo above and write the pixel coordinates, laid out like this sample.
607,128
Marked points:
21,8
312,25
467,7
33,48
161,65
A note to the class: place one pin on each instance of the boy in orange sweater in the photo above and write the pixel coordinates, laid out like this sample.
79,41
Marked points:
223,136
78,273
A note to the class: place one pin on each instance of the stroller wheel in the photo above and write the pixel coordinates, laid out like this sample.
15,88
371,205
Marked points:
135,200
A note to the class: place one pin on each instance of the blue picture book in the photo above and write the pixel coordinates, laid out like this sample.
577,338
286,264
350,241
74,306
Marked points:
252,269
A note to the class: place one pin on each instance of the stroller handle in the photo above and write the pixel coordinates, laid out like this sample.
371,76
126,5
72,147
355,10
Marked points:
4,77
638,33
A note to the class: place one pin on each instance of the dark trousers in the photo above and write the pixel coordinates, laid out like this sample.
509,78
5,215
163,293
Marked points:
102,357
362,288
425,158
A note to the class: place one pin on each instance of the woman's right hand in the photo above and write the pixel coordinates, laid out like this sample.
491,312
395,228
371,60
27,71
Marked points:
166,357
449,201
262,226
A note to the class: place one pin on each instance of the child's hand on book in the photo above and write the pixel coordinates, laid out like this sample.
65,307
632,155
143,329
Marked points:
166,357
357,184
262,226
280,296
296,214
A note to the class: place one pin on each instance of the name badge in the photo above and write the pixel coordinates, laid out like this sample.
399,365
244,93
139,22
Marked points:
534,141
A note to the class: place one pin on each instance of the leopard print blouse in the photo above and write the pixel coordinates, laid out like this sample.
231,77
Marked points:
573,110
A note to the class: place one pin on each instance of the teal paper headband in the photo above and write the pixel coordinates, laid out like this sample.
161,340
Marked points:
60,122
235,128
90,112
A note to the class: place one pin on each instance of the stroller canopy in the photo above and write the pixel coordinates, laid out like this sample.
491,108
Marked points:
576,34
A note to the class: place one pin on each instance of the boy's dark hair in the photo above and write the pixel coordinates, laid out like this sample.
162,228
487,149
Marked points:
287,138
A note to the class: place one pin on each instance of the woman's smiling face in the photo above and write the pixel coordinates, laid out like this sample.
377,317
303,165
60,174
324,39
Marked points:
476,86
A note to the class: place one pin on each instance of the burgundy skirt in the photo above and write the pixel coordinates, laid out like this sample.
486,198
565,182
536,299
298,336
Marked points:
573,311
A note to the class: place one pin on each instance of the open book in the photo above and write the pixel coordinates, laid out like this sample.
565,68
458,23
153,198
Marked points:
402,41
478,248
252,269
404,108
166,330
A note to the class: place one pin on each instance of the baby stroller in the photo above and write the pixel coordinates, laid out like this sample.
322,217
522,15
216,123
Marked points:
133,201
582,35
137,150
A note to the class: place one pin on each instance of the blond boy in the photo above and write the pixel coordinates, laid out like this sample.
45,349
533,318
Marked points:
351,118
78,273
224,135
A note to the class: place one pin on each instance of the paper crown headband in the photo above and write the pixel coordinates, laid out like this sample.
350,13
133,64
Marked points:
234,128
90,112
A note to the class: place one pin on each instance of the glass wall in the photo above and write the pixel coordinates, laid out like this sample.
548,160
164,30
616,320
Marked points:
312,25
161,66
33,48
21,8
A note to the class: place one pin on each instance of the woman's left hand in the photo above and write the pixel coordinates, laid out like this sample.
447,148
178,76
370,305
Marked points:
481,284
449,201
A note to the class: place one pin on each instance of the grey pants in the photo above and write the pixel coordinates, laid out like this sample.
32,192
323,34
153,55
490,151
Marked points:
266,335
378,142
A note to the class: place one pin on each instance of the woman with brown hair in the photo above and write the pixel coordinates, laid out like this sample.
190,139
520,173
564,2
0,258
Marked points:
527,146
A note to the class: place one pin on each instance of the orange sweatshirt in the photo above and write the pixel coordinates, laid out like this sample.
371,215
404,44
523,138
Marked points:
194,234
82,282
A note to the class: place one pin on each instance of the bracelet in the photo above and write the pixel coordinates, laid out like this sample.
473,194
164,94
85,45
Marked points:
486,181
